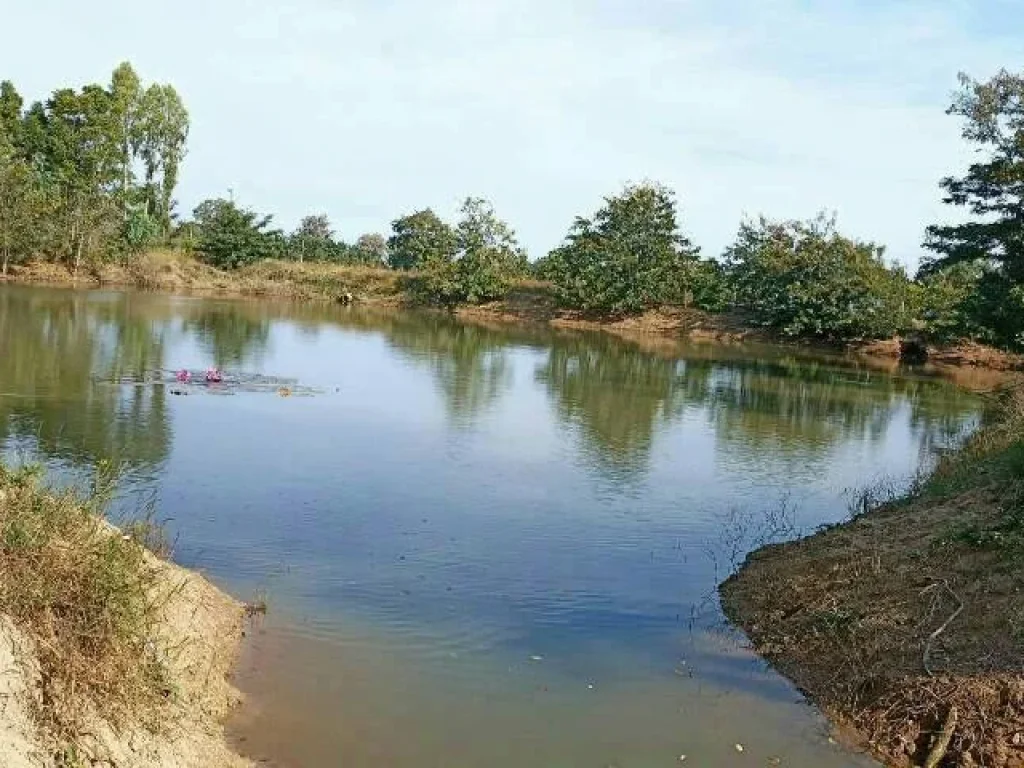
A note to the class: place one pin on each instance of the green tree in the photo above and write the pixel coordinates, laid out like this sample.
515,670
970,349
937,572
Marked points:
630,257
230,237
126,103
370,248
993,191
81,154
11,104
313,239
25,208
418,238
163,134
487,258
805,279
947,302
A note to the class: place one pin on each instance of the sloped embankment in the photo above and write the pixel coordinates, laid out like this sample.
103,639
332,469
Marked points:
108,655
906,624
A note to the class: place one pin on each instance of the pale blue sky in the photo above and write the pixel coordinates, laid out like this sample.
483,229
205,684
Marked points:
367,109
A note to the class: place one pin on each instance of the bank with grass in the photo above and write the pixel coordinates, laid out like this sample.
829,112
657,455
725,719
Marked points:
527,301
905,625
108,654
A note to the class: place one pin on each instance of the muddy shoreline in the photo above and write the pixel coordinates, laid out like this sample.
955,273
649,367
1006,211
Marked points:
904,624
528,303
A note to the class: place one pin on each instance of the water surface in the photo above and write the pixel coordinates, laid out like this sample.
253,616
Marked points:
481,546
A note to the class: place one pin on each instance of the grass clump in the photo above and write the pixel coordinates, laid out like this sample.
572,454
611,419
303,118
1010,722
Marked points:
81,593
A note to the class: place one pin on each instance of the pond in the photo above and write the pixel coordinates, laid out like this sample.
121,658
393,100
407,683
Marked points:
479,546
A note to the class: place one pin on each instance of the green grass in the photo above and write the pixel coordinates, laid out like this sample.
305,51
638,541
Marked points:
992,463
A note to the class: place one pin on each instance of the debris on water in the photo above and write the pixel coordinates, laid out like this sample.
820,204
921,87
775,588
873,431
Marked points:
590,686
213,381
739,747
682,758
536,658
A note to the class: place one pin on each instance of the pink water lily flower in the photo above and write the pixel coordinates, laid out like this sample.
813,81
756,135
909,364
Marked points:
183,376
213,375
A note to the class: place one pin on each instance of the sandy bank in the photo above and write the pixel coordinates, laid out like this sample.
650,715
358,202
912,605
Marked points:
195,635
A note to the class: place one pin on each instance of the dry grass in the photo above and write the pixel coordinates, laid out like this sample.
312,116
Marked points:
83,596
910,611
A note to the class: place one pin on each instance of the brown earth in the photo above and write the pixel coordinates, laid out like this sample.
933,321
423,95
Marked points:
197,636
529,302
906,624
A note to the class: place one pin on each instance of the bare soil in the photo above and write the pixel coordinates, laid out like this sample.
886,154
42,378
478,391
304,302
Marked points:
906,624
197,636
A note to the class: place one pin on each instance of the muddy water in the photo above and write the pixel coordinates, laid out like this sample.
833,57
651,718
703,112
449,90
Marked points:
480,546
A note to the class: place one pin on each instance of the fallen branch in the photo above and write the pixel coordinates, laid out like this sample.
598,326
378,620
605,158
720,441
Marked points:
938,750
941,629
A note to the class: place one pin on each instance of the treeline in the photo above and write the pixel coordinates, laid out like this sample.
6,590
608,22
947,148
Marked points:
90,174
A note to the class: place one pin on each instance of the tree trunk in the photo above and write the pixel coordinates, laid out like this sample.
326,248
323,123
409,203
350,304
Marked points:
7,257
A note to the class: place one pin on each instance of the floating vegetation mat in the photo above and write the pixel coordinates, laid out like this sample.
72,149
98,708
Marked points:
187,382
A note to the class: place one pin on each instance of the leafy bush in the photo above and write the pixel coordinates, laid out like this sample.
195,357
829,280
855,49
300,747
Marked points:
230,237
630,257
418,239
486,260
946,303
805,279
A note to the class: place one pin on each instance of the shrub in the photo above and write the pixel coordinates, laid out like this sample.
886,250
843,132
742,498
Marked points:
805,279
630,257
83,596
486,260
230,237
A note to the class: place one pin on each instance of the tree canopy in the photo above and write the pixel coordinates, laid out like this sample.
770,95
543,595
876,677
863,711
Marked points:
629,257
485,259
806,279
992,191
85,149
419,238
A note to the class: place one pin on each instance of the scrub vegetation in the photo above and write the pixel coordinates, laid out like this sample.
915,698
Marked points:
87,181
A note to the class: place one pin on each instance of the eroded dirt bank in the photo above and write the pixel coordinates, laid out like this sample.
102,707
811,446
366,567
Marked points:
529,302
906,624
109,656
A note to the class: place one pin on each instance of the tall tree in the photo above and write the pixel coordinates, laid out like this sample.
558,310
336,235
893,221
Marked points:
10,113
126,103
162,137
418,238
24,207
82,155
993,191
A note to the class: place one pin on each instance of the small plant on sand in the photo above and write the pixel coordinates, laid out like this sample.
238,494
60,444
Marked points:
82,595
